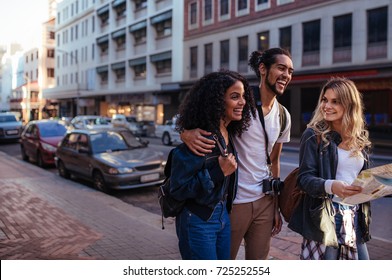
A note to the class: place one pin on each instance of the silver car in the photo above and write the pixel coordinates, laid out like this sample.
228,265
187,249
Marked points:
113,159
10,127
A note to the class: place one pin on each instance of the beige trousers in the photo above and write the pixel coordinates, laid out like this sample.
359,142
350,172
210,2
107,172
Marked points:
252,222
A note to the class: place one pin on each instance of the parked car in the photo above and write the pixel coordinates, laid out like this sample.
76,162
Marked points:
168,133
129,122
110,158
10,127
90,122
148,128
39,140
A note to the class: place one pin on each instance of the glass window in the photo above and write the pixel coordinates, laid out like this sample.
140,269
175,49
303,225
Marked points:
207,10
224,7
285,38
342,31
207,58
311,36
263,41
193,61
242,4
224,53
193,13
377,25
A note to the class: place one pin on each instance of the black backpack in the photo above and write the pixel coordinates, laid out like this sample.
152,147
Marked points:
170,207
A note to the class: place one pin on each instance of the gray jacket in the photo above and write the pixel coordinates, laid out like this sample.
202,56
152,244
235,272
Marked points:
314,216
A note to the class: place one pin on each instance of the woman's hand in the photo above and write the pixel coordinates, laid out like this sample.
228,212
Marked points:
197,142
343,190
227,164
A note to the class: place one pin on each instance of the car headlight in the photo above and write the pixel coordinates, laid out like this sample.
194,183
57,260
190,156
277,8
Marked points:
48,147
121,170
163,163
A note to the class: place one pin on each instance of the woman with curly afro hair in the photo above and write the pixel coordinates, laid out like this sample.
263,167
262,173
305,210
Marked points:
218,102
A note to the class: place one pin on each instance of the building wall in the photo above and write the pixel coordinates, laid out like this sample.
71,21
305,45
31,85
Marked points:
308,78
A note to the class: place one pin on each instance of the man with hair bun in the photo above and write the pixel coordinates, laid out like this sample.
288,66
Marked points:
255,215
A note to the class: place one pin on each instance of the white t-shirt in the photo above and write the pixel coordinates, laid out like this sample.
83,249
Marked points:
252,162
348,168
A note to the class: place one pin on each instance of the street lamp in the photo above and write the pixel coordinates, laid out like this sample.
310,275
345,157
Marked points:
75,58
28,95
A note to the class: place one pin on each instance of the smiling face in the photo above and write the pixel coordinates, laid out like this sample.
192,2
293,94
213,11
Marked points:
332,107
234,102
279,75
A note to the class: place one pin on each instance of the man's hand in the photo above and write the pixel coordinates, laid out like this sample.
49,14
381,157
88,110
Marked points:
197,142
277,226
227,164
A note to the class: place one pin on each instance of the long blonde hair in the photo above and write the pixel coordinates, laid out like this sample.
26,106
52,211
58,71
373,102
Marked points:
353,123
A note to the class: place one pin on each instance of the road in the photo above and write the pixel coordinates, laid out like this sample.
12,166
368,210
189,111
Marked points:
146,198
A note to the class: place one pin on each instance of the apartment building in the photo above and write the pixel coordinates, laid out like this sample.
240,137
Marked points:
351,38
113,57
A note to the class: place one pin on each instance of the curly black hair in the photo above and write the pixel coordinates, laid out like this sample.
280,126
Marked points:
268,57
203,106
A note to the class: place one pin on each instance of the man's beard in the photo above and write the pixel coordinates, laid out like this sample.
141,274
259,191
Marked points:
272,87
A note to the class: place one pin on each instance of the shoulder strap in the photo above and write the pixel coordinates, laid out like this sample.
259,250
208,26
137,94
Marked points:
282,119
167,170
282,112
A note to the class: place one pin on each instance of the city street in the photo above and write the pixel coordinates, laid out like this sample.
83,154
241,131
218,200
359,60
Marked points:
146,198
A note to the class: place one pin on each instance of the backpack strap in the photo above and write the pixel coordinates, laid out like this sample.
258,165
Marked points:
282,112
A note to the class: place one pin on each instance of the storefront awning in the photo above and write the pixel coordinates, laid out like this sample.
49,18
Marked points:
119,65
161,17
137,61
103,10
138,26
102,69
116,3
118,33
102,39
161,56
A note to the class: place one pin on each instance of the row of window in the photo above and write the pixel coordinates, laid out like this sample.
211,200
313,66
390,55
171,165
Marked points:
241,8
377,30
162,63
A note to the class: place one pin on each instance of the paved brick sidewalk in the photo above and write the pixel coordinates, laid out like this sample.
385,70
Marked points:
43,216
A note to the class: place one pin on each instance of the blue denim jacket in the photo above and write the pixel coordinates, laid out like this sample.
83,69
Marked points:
200,181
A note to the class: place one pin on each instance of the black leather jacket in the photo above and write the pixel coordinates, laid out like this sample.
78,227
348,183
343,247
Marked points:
200,181
314,218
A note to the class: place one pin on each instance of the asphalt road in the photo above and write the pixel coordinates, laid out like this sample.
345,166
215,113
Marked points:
146,198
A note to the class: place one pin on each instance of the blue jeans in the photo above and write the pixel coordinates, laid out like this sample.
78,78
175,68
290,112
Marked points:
332,253
204,240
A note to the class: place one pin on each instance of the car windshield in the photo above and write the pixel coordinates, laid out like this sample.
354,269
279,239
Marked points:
8,118
51,129
108,141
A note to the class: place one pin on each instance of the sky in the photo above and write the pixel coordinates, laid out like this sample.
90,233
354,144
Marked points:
21,21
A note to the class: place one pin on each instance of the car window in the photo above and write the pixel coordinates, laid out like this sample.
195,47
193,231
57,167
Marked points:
52,129
70,141
83,141
107,141
7,118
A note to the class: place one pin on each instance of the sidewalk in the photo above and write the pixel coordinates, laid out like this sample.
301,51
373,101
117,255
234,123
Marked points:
43,216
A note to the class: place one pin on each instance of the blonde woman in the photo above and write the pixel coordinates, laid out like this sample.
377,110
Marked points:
333,150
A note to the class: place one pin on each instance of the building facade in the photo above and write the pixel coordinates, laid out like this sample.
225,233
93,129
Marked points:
140,57
113,57
325,37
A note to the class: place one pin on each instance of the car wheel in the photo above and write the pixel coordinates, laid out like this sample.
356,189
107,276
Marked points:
166,139
99,182
40,161
63,172
23,152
